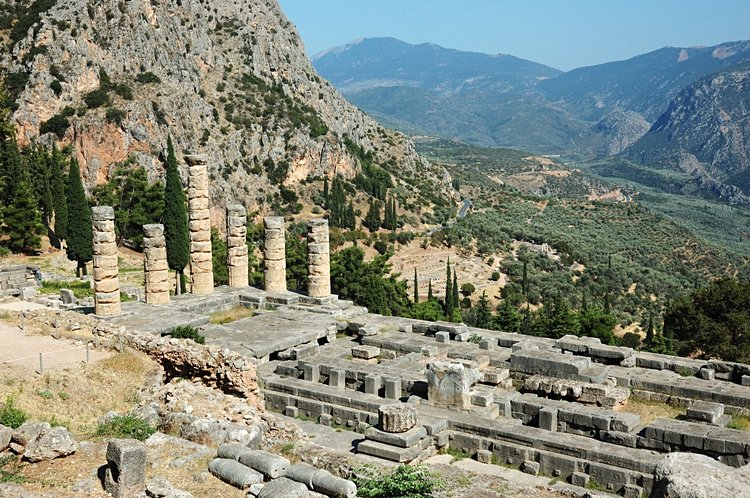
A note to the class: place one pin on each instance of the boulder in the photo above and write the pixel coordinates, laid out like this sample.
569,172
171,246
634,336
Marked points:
6,435
49,444
689,475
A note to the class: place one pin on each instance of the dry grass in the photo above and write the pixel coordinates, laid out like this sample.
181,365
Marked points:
740,422
231,315
651,410
78,396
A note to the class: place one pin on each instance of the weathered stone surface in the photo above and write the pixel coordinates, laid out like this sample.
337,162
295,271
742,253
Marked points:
50,444
106,282
405,439
397,417
125,476
266,463
201,275
156,268
687,475
319,270
234,473
158,487
274,254
232,451
237,245
705,411
449,384
284,487
6,434
365,352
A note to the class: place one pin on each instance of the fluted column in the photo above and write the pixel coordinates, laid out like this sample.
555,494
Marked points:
155,267
318,259
201,269
274,254
106,276
237,245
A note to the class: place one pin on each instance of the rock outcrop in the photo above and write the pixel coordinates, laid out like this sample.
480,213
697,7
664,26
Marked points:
687,475
228,79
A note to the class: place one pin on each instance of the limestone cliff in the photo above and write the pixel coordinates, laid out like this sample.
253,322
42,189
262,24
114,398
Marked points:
226,78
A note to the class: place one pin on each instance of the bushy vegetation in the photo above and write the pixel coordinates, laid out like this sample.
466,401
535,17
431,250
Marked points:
10,415
405,481
126,427
80,289
187,332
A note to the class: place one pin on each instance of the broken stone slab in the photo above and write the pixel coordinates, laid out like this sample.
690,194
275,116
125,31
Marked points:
484,456
284,487
449,384
234,473
366,352
266,463
67,296
495,375
705,411
126,468
530,467
405,439
397,418
388,452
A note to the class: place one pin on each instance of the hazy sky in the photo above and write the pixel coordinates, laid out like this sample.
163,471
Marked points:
560,33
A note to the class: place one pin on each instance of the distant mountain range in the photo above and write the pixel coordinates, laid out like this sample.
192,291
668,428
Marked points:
608,109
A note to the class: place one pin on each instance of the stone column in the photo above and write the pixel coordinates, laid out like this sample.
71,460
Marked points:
106,278
201,269
237,245
274,254
318,260
155,265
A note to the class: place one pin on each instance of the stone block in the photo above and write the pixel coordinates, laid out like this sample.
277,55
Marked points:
625,422
291,411
707,373
705,411
397,417
632,491
745,380
337,378
405,439
484,456
388,452
266,463
488,343
579,479
442,337
126,468
481,398
393,388
548,419
373,383
449,384
311,372
530,467
325,419
495,375
366,352
441,439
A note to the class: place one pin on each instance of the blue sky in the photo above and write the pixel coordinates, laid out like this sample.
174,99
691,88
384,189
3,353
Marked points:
560,33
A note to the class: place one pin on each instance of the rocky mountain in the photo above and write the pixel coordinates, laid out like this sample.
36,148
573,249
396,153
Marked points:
508,102
226,78
705,131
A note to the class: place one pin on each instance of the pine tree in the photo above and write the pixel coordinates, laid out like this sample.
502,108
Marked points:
430,295
176,230
416,287
23,220
59,202
80,244
483,313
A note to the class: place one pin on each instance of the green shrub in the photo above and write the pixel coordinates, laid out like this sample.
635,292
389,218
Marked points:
147,77
56,87
126,427
95,99
404,482
124,91
57,124
187,332
115,115
10,415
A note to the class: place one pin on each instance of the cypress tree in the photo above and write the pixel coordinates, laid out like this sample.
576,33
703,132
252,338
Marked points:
325,192
525,281
430,295
59,203
372,219
483,314
454,292
350,220
176,230
416,287
650,329
584,304
448,304
80,244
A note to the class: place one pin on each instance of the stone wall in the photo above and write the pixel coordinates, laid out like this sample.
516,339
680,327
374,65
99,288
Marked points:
106,276
237,245
155,264
201,266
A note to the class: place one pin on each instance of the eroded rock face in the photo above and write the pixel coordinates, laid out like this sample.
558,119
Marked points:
226,78
46,443
688,475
